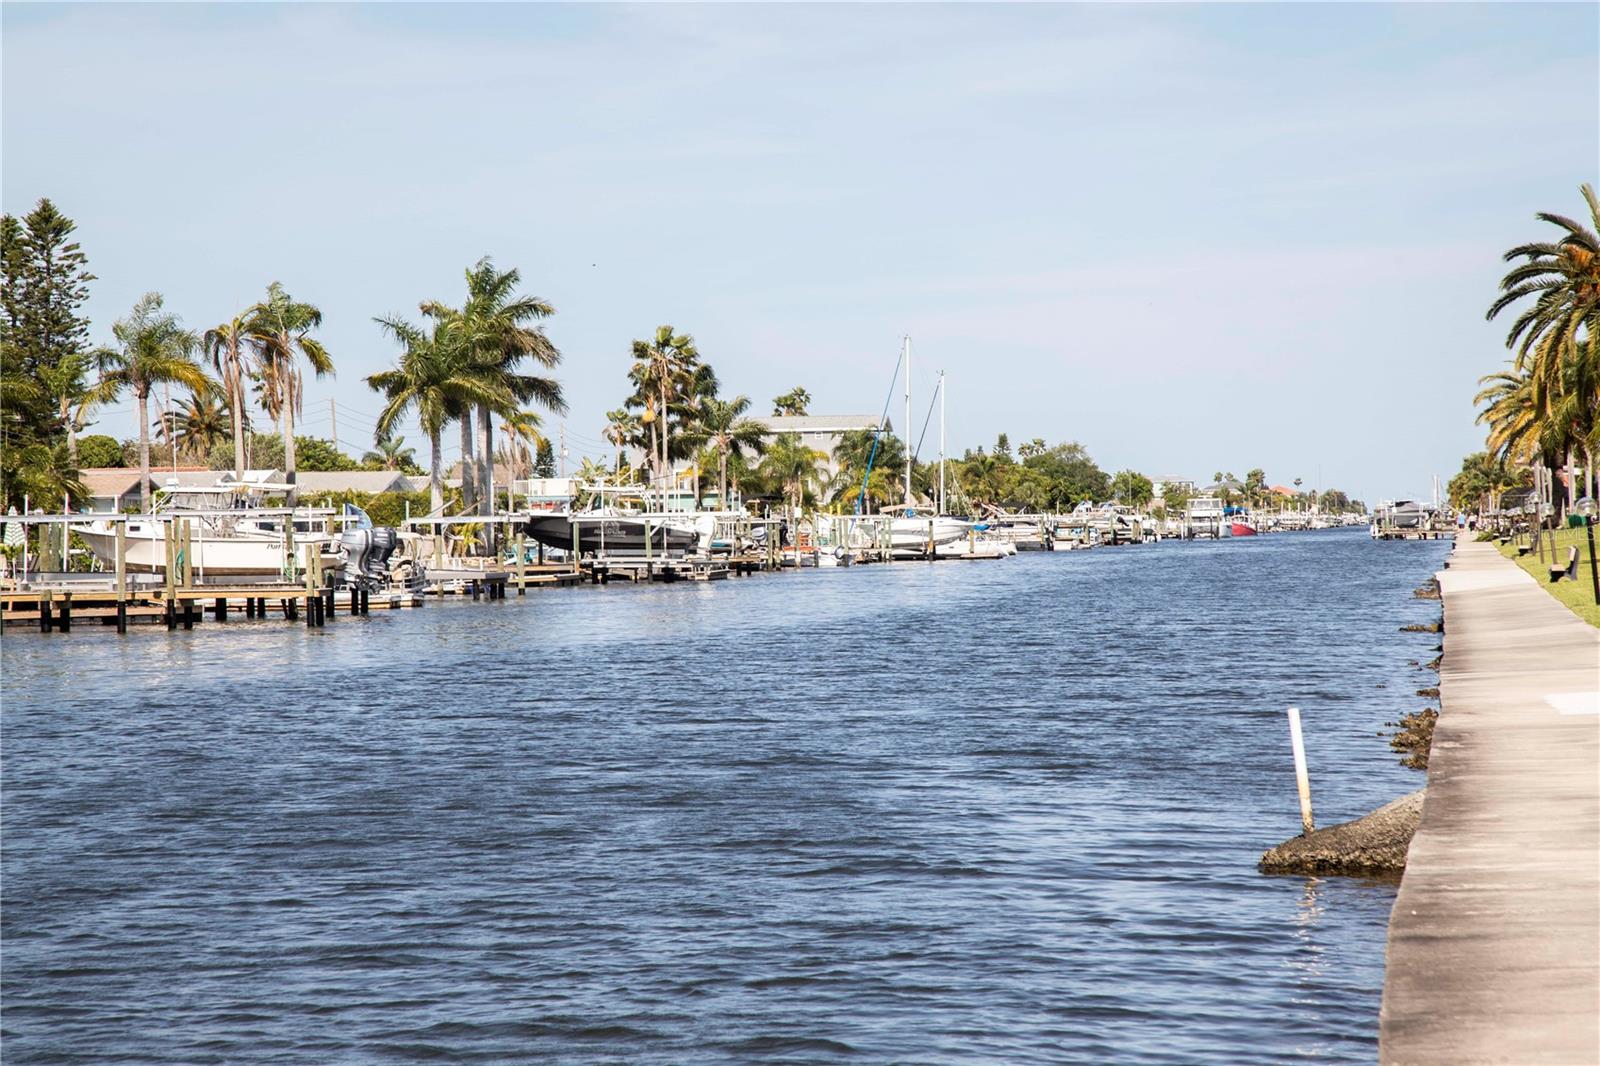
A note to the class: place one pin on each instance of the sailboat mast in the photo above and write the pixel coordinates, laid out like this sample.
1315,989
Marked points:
941,442
907,431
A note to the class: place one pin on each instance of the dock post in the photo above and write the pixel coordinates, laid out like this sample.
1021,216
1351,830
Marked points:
188,612
575,564
1302,779
522,566
44,611
122,577
64,619
188,553
219,609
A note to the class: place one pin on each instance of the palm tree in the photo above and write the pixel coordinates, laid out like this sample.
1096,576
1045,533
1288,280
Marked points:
1564,278
793,465
390,453
521,429
662,367
500,331
794,402
201,425
622,429
434,377
722,425
68,383
153,348
278,330
225,346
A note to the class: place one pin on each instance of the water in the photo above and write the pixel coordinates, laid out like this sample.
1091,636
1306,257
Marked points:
952,813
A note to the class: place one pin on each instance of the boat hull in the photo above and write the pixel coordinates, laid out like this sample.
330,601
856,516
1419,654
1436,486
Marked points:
1241,529
235,556
913,534
617,534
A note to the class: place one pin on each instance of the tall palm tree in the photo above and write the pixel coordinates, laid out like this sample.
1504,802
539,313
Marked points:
434,377
521,429
622,429
722,425
225,345
793,465
662,368
1564,279
278,331
153,348
500,330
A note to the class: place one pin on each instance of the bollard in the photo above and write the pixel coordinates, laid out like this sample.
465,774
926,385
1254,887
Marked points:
1302,779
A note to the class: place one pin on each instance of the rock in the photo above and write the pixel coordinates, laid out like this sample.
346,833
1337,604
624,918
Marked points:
1374,844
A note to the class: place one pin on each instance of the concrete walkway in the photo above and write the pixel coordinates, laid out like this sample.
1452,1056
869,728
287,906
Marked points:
1494,943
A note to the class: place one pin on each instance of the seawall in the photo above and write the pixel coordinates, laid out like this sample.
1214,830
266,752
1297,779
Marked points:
1494,941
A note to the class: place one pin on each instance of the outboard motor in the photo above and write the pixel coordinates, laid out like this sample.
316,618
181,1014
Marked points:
367,554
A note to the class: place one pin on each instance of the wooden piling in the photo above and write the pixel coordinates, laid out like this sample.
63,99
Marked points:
122,577
522,566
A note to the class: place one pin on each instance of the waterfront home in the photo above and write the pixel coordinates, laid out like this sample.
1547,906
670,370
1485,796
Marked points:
820,432
1160,482
114,489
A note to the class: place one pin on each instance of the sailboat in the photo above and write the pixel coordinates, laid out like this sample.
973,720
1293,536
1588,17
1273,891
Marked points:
913,530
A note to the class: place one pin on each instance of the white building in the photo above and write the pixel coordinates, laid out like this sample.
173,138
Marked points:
821,432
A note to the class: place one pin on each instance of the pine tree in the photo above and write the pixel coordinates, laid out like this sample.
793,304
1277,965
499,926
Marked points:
544,463
54,284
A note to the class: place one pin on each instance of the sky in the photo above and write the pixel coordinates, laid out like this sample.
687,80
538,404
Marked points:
1195,238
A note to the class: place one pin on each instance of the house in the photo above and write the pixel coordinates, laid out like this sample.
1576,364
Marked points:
820,432
113,489
368,481
503,476
1160,482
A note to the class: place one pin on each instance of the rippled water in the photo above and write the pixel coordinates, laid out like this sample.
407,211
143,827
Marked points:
959,812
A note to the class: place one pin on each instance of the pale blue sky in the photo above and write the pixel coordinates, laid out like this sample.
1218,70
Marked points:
1191,237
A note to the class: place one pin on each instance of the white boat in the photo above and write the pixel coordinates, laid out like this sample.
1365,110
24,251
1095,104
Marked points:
911,531
230,533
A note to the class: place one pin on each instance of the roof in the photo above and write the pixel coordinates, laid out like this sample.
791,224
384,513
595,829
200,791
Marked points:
502,474
109,480
1171,479
352,481
818,423
1283,490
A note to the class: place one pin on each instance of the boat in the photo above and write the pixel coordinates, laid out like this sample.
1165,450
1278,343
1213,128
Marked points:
620,532
231,533
911,530
1237,522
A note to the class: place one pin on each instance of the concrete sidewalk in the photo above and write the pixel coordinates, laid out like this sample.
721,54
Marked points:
1494,942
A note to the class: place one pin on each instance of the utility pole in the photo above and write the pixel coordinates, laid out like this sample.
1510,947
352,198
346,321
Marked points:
563,449
333,420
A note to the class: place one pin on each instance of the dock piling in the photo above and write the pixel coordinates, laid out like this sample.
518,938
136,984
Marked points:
1301,778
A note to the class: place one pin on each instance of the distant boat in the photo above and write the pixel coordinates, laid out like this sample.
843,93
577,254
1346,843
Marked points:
1238,528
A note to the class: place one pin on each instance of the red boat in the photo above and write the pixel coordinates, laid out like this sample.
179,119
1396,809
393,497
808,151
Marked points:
1237,528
